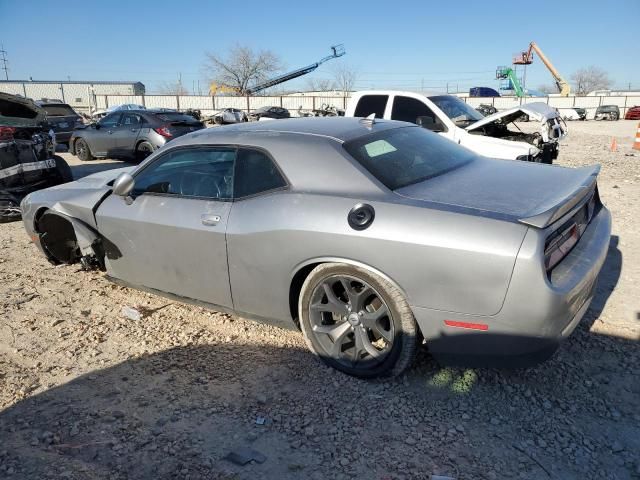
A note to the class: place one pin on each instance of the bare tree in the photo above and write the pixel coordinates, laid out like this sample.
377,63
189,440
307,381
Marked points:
320,84
241,67
345,77
172,88
547,89
590,78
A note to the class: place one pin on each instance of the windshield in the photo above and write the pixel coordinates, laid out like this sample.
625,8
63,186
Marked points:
462,114
59,110
408,155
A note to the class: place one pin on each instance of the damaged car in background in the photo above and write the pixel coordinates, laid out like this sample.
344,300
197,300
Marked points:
506,274
228,116
495,135
27,159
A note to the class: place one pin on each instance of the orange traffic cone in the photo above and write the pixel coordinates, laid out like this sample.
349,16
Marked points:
636,144
614,144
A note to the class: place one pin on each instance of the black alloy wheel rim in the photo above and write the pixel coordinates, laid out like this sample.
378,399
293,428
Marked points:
351,322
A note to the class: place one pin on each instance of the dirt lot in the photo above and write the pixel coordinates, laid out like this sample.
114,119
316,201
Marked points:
88,393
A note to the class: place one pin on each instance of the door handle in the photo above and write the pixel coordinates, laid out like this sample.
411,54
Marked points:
209,220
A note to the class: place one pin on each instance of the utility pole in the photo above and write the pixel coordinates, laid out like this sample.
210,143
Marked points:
3,59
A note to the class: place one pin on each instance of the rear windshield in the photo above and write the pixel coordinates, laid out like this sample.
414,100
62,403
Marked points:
176,117
58,110
404,156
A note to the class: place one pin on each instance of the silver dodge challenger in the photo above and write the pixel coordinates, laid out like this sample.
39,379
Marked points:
369,236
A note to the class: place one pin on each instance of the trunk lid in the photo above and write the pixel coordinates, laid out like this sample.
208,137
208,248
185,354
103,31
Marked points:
529,193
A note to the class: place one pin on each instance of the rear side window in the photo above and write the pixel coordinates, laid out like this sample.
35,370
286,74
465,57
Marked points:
404,156
255,173
369,104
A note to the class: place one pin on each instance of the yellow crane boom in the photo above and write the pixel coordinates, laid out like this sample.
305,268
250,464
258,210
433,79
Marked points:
525,58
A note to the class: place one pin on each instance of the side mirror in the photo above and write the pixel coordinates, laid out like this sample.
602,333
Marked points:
123,185
430,123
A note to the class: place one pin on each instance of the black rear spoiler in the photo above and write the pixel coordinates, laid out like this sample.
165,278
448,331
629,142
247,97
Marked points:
546,217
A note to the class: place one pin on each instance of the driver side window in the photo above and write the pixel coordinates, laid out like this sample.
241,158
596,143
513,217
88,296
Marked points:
110,120
195,172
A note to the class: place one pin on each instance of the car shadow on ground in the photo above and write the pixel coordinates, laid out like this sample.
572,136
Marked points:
176,413
89,168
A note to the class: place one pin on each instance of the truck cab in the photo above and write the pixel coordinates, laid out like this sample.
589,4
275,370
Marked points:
456,120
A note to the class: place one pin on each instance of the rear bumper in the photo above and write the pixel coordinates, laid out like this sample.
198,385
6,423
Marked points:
538,312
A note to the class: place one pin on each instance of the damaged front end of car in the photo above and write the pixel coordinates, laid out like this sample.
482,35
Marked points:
544,142
61,221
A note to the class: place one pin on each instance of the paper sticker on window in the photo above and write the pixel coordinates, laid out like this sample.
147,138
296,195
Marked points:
379,147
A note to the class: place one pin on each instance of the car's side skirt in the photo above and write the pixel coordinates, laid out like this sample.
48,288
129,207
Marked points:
286,323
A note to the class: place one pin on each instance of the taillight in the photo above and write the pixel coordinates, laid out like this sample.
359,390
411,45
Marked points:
560,244
6,133
164,131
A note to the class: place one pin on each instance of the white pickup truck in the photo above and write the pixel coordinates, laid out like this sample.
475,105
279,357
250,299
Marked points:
453,118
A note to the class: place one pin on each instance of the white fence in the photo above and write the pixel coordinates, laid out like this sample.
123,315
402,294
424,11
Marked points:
208,104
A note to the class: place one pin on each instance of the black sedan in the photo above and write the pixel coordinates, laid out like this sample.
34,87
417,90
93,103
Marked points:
269,113
62,119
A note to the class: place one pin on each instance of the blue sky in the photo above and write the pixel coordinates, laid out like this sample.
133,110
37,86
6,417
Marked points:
391,44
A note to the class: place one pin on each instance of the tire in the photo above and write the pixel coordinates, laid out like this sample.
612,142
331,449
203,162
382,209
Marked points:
83,152
218,120
374,317
614,116
143,150
64,170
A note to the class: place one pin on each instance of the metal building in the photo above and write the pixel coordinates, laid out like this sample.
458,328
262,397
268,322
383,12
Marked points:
78,94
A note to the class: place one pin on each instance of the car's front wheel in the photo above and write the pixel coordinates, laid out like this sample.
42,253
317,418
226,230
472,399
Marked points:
82,150
357,321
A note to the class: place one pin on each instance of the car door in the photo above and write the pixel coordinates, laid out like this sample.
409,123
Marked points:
170,234
126,134
414,110
100,138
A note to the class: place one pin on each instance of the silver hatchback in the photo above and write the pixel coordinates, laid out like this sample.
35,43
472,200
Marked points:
133,134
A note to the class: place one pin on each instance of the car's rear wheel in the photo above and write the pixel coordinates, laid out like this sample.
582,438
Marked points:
82,150
64,170
614,116
143,150
357,321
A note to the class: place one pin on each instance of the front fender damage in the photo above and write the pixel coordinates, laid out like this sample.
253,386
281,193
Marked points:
67,240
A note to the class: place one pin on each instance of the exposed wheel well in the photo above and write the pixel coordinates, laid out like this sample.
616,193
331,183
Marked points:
57,237
295,288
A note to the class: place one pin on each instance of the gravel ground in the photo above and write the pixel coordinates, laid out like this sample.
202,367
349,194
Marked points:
86,392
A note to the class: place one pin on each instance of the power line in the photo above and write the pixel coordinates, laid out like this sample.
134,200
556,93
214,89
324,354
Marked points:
4,61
